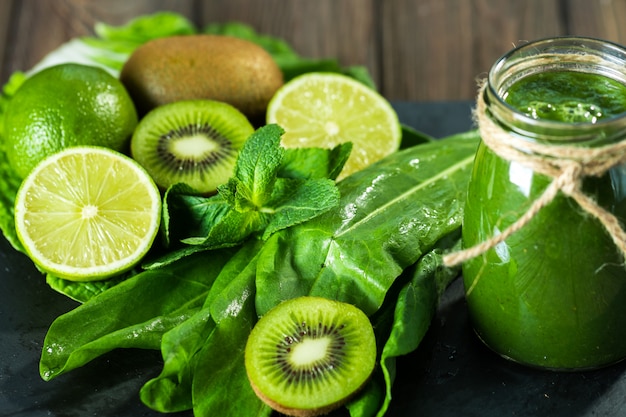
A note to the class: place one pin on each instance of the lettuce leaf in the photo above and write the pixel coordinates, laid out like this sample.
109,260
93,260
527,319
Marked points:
10,181
113,44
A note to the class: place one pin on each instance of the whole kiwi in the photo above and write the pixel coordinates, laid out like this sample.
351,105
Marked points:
309,355
216,67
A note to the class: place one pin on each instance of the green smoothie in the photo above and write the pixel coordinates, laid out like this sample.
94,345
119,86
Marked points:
553,295
567,96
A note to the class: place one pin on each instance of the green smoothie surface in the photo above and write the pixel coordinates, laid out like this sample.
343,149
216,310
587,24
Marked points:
568,96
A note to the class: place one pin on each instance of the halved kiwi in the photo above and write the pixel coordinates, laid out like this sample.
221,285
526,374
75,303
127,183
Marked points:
309,355
195,142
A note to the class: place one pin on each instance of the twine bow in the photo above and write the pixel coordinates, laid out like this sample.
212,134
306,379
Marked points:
566,165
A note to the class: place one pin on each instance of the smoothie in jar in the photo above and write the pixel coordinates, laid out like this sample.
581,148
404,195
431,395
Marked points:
553,294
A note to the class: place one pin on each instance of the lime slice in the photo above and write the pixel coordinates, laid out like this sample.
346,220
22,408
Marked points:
87,213
326,109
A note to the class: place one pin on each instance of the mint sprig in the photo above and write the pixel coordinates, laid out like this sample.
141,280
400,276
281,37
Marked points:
270,190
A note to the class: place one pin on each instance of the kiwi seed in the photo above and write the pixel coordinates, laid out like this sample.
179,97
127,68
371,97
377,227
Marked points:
309,355
195,142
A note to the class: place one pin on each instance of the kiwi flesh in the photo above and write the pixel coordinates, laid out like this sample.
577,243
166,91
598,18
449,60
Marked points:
309,355
195,142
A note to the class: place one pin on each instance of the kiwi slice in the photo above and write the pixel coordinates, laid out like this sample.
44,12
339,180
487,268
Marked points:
195,142
309,355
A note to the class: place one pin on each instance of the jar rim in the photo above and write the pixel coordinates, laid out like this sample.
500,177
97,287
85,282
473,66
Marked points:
596,55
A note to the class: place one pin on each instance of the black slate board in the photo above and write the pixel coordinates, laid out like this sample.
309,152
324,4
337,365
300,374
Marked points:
451,374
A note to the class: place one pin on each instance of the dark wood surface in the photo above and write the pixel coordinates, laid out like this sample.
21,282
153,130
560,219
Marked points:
416,50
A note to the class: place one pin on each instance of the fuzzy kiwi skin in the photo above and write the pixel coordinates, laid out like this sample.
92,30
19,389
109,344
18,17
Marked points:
301,412
215,67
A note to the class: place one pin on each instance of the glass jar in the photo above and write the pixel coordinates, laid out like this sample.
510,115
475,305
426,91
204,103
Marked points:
553,294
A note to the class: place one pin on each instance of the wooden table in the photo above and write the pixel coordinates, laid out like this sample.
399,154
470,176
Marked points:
416,50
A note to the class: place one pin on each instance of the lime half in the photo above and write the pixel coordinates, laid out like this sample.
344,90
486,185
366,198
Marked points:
326,109
87,213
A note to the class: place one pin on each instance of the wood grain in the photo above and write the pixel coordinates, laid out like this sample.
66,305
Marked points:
436,49
5,19
341,29
600,19
415,50
39,26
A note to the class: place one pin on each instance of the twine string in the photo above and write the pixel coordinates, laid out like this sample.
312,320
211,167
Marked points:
566,165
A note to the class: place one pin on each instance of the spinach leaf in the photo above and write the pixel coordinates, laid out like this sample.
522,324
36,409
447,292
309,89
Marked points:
172,390
402,321
412,137
135,313
220,383
415,309
389,215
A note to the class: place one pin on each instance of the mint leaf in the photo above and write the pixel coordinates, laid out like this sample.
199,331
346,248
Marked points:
232,229
186,215
307,163
257,167
271,189
295,201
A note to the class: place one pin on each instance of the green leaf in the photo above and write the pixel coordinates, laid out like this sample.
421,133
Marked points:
232,230
412,137
82,291
220,383
10,181
290,62
415,308
360,73
389,215
193,218
257,167
257,199
276,47
112,45
135,313
146,27
241,264
368,401
295,201
171,390
292,67
307,163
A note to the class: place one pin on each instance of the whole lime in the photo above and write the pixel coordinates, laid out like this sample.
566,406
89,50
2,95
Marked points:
67,105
